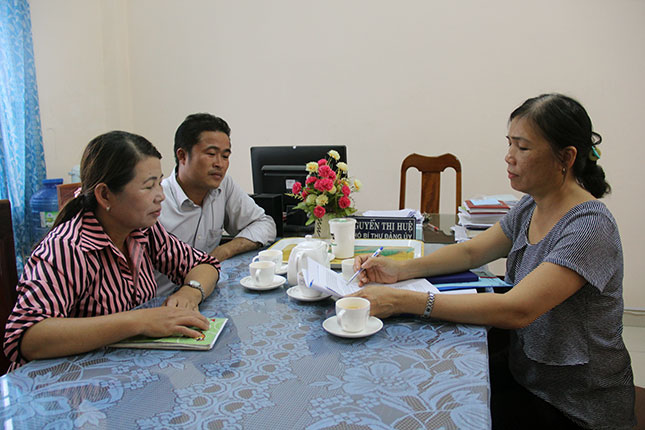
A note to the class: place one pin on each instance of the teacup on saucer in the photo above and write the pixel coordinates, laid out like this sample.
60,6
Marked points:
247,282
331,326
282,270
294,293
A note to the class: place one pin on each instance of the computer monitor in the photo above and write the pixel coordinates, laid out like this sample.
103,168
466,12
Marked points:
276,168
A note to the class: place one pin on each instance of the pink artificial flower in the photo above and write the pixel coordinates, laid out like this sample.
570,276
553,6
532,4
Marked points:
346,190
322,162
344,202
327,184
310,180
324,184
332,175
304,194
319,185
324,171
319,211
297,187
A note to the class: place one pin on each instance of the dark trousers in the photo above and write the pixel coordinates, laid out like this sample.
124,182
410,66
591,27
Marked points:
513,406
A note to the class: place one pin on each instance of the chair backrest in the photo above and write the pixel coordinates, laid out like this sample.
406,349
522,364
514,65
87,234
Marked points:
430,168
639,408
8,274
65,192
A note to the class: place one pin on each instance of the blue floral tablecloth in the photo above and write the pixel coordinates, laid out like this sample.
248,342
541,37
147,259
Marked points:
273,367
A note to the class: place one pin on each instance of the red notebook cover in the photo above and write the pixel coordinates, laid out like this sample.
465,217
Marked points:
500,208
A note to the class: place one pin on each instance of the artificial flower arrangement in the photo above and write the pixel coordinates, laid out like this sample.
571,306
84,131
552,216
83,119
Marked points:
326,190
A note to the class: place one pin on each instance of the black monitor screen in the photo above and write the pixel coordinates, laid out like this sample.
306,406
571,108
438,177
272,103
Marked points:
276,168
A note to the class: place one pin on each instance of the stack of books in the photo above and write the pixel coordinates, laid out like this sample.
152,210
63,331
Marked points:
479,214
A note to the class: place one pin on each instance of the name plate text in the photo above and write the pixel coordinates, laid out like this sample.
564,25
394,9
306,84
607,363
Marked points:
385,227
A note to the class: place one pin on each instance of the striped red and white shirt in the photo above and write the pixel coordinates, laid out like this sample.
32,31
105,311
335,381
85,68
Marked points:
77,271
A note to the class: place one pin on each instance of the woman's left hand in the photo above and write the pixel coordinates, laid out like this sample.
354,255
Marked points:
185,297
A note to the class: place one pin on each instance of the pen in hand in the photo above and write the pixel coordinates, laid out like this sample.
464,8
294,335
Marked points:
376,253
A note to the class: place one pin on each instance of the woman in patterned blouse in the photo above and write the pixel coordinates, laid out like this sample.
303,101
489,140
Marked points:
96,264
566,365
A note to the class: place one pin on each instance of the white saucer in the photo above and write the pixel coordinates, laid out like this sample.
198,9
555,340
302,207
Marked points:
294,293
282,270
247,282
331,326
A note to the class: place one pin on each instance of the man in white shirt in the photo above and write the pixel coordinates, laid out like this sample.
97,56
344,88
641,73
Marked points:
202,202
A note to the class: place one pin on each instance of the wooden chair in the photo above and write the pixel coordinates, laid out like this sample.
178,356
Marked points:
65,192
430,168
639,408
8,274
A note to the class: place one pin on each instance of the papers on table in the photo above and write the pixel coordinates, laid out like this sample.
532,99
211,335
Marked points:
481,213
487,201
403,213
464,291
329,282
461,235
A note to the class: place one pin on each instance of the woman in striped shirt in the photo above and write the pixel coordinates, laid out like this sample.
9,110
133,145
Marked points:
567,365
82,281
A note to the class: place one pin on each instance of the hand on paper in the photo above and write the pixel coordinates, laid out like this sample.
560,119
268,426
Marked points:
376,269
171,321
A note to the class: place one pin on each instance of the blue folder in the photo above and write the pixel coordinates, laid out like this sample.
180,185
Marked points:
453,278
465,280
482,283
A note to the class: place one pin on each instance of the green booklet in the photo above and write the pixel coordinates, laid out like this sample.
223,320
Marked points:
204,343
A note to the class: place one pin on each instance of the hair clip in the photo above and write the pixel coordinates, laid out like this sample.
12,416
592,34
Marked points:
594,154
77,192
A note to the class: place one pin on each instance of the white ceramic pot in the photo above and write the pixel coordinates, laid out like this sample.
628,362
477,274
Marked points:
315,249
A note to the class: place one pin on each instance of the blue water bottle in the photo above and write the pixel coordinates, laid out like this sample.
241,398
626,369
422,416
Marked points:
44,209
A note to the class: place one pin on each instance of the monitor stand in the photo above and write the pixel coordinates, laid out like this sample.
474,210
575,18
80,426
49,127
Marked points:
294,223
298,230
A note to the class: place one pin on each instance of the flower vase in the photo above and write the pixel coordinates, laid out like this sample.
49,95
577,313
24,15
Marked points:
321,230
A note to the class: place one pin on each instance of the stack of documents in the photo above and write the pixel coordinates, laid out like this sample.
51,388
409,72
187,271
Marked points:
481,213
402,213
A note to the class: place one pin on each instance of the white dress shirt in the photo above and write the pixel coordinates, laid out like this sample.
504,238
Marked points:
224,209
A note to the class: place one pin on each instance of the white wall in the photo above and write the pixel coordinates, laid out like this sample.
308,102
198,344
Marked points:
384,78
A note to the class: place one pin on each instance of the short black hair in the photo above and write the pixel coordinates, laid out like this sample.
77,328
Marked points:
187,134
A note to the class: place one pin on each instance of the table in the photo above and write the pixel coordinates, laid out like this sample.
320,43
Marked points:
273,367
444,223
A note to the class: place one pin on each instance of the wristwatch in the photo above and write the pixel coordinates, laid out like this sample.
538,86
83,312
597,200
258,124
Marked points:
429,305
196,285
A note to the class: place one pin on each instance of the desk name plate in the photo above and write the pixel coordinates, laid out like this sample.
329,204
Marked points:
368,227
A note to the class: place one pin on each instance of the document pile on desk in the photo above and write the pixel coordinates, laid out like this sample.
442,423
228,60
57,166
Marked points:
401,213
481,213
331,283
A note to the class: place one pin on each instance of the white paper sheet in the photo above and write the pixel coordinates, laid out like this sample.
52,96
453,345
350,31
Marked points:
329,282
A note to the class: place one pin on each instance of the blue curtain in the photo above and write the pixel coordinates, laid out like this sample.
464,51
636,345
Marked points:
22,160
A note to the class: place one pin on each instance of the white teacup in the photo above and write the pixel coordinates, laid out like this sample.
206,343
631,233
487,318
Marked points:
343,231
352,313
306,291
262,273
347,268
270,255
